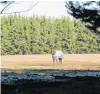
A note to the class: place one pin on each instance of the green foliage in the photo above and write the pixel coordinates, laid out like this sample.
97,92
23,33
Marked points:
37,35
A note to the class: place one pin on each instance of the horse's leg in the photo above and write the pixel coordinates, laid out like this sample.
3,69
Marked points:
53,61
60,60
53,57
57,61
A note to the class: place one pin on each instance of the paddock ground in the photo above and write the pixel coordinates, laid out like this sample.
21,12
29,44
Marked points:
71,85
71,62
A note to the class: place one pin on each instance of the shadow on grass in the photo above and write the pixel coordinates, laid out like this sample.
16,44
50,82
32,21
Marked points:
67,84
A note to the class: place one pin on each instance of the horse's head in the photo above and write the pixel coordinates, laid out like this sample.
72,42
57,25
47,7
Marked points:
53,51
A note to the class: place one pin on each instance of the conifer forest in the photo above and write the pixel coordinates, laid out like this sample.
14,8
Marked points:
38,35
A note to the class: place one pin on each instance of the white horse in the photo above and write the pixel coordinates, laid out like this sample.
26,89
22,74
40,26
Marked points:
57,55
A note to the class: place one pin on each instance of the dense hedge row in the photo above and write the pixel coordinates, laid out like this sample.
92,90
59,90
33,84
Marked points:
37,35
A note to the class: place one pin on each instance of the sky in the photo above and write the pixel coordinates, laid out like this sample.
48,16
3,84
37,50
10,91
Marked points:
43,8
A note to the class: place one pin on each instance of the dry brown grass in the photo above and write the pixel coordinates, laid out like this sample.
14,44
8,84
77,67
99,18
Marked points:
71,62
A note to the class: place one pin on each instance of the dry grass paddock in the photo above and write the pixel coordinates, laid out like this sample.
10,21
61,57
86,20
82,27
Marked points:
71,62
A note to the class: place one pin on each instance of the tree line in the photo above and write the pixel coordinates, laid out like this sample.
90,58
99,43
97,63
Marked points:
38,35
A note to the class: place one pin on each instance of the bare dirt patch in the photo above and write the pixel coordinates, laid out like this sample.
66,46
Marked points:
71,62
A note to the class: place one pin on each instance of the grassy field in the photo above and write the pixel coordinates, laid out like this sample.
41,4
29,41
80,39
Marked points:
71,62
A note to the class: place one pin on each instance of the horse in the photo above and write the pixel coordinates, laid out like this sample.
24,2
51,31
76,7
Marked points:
57,55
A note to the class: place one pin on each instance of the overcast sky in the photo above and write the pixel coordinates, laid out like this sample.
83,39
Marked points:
43,8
